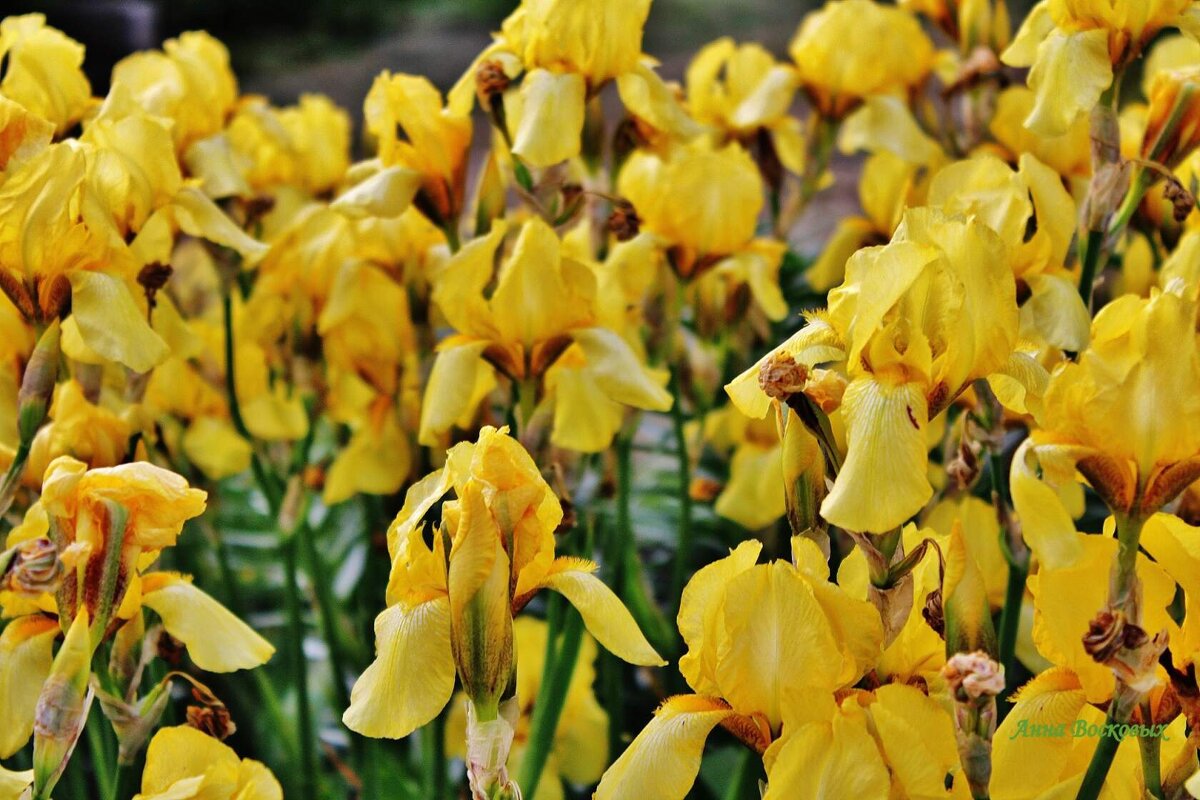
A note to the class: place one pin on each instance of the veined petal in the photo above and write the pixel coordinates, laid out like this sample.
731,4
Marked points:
700,619
664,759
603,613
1020,384
548,110
111,324
828,759
26,654
618,371
776,642
412,677
1072,70
216,639
885,478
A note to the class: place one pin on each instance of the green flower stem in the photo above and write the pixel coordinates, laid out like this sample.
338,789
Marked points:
552,696
1121,598
299,668
103,754
743,784
1151,758
684,546
433,757
1093,252
125,784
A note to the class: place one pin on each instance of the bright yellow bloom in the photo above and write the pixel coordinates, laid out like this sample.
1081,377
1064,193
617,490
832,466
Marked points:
852,50
183,763
1068,153
188,83
580,750
564,53
493,551
90,432
108,526
43,71
741,90
1142,369
915,322
542,316
1011,202
893,742
714,229
763,641
415,131
263,148
1074,45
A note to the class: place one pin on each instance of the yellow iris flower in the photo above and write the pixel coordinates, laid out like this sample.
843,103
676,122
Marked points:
580,750
188,82
182,763
712,235
763,641
741,90
106,583
1143,368
541,320
914,323
852,50
493,552
564,53
893,742
414,130
1074,45
43,71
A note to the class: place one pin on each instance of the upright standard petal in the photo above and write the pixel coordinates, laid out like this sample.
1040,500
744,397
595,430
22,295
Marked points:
388,702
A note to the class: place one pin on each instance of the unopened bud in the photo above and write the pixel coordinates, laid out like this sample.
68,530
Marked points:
62,707
37,385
